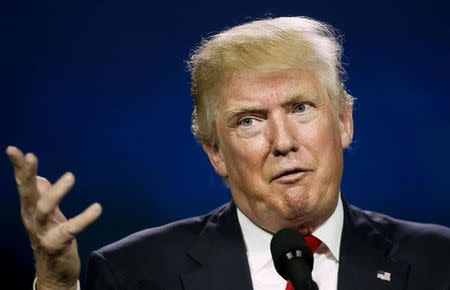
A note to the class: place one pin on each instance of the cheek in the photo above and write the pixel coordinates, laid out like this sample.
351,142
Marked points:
324,142
245,156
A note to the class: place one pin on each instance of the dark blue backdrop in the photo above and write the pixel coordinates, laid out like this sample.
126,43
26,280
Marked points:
100,88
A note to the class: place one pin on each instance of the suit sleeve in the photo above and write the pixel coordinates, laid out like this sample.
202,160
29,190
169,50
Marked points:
99,274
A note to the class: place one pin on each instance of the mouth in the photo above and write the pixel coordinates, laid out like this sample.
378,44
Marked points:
290,175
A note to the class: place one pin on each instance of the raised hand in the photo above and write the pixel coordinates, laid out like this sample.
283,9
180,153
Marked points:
52,235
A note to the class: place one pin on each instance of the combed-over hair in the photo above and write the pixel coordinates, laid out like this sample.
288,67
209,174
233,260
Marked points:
268,45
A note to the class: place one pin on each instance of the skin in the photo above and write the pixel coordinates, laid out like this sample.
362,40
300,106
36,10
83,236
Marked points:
51,234
281,148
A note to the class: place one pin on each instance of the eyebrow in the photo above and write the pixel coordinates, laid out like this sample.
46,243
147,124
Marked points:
243,109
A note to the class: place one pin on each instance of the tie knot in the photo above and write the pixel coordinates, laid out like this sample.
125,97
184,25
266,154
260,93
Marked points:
312,241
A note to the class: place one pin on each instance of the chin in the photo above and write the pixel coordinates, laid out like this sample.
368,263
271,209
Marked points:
300,206
298,197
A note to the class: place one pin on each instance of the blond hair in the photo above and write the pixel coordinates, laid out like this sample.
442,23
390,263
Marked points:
267,45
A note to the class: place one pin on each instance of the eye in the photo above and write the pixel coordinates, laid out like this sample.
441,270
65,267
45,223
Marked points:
246,122
301,107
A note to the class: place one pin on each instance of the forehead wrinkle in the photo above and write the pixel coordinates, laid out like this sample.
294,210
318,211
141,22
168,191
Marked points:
291,91
290,98
263,107
246,106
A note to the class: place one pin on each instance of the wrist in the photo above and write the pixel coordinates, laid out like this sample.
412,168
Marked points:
40,284
56,272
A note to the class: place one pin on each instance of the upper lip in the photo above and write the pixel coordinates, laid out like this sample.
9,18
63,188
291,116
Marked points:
288,171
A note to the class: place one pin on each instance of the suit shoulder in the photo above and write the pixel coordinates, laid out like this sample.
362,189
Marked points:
411,235
173,237
155,255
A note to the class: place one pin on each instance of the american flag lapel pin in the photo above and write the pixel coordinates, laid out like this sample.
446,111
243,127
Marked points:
383,275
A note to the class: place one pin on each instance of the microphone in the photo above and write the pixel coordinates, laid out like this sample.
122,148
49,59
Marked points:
293,259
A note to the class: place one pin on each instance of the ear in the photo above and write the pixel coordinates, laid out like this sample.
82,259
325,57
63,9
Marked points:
216,158
346,126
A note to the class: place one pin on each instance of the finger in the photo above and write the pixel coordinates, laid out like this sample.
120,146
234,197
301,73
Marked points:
43,185
15,155
25,170
25,166
27,180
50,199
57,238
32,166
80,222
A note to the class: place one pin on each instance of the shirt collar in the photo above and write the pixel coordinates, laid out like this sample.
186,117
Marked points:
331,230
258,240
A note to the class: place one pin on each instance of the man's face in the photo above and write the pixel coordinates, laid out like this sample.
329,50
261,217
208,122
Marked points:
281,148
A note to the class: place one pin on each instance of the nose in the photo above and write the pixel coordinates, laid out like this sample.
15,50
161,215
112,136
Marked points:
283,136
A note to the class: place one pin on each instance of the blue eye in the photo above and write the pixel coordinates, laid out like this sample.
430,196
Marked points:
246,122
300,108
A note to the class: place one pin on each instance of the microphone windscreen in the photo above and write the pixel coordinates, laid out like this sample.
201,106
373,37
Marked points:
289,249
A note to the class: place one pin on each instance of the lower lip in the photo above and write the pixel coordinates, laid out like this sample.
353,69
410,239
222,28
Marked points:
290,178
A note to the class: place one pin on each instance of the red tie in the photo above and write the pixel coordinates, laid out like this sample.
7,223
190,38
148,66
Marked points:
313,244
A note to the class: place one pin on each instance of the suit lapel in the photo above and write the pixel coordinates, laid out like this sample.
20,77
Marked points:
365,262
220,254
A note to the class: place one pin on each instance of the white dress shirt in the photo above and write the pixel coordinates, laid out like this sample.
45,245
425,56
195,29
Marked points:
326,259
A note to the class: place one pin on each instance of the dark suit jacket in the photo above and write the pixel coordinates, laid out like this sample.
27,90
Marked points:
208,253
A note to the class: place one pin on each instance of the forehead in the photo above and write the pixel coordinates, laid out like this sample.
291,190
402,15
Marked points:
253,88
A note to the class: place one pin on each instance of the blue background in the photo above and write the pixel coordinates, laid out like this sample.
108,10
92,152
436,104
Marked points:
100,88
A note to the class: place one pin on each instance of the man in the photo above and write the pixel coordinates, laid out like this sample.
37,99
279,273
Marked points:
273,116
